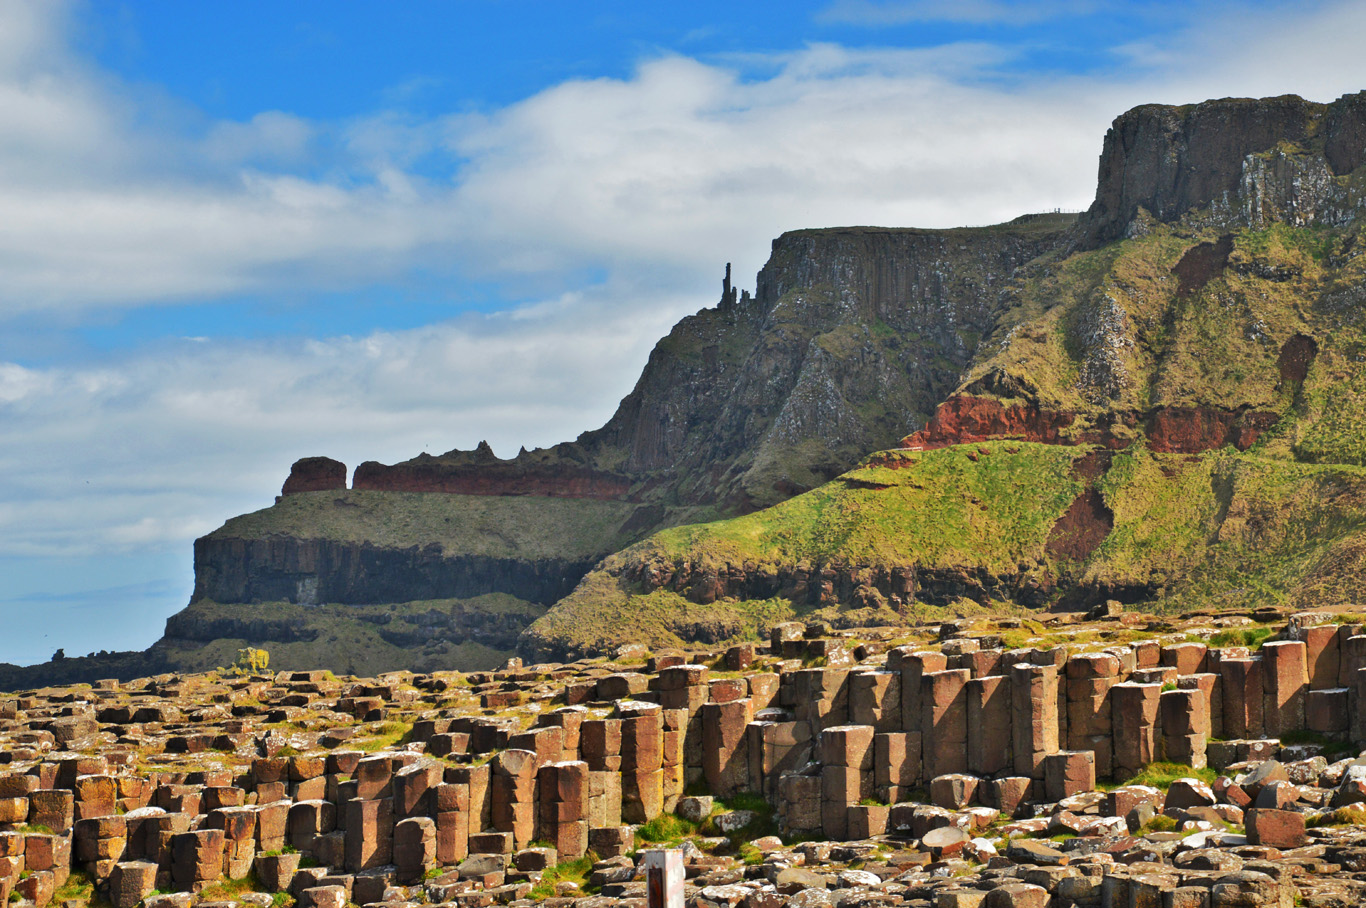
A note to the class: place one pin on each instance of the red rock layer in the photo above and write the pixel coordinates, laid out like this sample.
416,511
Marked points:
315,474
492,479
964,420
1191,430
1171,430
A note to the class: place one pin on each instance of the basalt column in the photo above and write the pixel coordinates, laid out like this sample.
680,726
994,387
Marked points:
945,722
564,791
846,776
1134,715
725,756
990,734
1090,677
1034,728
642,752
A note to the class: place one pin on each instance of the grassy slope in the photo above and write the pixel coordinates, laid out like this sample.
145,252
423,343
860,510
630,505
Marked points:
940,509
1234,530
516,527
349,638
1220,530
1218,347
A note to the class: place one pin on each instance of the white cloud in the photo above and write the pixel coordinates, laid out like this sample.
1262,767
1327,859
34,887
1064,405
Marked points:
154,449
901,12
683,163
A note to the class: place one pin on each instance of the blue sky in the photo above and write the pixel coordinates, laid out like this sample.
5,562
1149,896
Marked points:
235,234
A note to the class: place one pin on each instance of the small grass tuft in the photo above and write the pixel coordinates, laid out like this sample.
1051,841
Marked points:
1251,637
665,829
1162,775
1159,823
576,871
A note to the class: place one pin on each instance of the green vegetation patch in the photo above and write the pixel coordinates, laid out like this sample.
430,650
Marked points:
1162,775
493,525
426,635
576,872
1231,530
986,505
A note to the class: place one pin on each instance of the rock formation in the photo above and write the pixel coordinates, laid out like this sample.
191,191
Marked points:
315,474
1251,162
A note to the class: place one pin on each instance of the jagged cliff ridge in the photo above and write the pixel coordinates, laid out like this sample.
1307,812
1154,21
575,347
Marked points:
1249,162
1169,408
1239,262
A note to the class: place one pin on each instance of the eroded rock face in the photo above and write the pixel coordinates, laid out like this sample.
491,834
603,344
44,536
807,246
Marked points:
1169,430
853,336
966,419
857,336
310,571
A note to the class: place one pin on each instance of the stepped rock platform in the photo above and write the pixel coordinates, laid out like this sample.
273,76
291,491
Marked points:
1107,760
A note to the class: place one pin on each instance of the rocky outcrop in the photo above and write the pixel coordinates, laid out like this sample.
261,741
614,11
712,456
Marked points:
287,569
966,419
315,474
852,338
1251,160
857,339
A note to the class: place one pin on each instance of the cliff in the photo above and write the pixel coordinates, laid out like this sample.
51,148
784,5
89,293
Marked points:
852,337
1193,351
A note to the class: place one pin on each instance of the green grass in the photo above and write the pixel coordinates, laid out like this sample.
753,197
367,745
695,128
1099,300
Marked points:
665,829
79,888
1162,775
230,889
937,509
1158,823
1333,748
763,824
1352,815
1250,637
576,871
499,526
386,735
